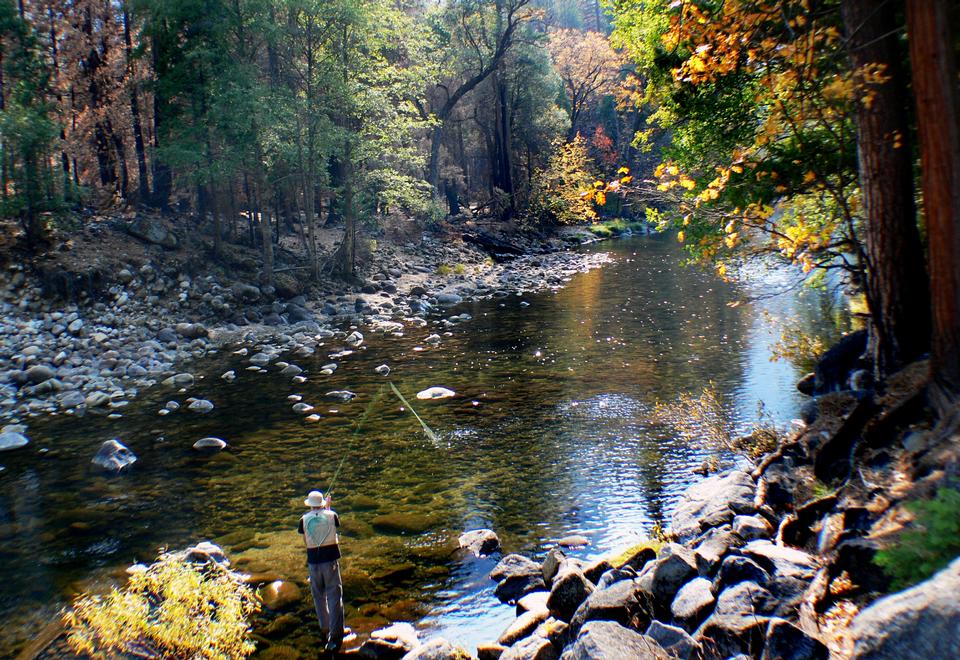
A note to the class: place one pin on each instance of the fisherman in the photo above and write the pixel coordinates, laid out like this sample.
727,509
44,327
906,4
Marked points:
319,529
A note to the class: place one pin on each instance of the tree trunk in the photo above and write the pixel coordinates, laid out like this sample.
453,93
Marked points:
143,189
266,235
938,111
433,168
897,285
162,175
310,212
346,256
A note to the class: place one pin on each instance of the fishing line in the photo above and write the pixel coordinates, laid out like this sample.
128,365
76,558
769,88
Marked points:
362,419
426,429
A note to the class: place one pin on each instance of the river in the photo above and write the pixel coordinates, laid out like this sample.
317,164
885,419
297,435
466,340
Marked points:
549,434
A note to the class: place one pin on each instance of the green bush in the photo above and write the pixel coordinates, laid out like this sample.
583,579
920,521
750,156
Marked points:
172,609
921,552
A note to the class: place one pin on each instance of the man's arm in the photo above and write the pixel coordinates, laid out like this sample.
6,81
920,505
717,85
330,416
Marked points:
336,520
300,526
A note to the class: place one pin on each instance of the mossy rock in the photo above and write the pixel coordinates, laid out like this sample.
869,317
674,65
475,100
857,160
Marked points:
394,573
435,553
361,503
353,528
234,538
403,610
405,523
279,652
282,625
645,548
357,584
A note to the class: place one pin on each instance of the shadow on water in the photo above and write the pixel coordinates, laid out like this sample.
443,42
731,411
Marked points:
548,435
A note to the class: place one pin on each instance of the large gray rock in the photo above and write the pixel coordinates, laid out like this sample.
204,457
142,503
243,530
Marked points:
517,576
750,528
481,542
675,641
745,598
391,643
531,648
791,571
551,564
624,602
712,502
921,622
12,440
786,641
570,588
713,546
522,627
737,568
664,577
191,330
611,641
72,399
722,636
246,293
152,231
435,649
114,456
693,602
40,373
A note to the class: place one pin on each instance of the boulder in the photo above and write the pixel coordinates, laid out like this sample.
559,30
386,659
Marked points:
623,602
750,528
713,546
675,641
280,595
167,335
570,588
736,569
611,641
97,399
435,649
573,541
246,293
790,570
531,648
179,380
391,643
151,230
72,399
481,542
595,569
522,627
730,635
921,622
490,651
12,440
692,603
833,370
615,575
40,373
113,456
745,598
786,641
206,551
663,577
712,502
448,299
514,565
551,564
536,600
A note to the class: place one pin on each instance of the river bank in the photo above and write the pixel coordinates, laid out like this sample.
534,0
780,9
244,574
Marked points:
72,342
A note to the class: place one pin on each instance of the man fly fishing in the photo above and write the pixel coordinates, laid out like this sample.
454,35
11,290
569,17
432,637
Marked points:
319,529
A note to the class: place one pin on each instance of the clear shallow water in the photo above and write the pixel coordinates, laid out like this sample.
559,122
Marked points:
549,435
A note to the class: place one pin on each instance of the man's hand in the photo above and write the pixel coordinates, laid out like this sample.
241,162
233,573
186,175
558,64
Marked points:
328,501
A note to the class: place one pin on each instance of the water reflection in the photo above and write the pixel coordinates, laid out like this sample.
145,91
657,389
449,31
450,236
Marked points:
548,436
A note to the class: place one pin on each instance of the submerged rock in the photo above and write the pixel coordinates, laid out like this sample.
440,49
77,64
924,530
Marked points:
200,406
435,393
392,642
481,542
12,440
340,395
209,444
114,456
280,595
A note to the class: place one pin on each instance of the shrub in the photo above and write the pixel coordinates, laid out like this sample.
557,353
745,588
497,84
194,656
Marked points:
921,552
172,609
459,269
444,270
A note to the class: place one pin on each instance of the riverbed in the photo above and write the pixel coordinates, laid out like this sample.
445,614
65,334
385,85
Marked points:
548,435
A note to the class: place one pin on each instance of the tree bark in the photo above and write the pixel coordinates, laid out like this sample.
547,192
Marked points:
266,236
938,112
143,188
162,175
897,284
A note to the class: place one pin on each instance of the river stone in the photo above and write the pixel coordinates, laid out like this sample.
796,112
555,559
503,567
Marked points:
481,542
40,373
246,293
750,528
730,635
736,568
113,456
920,622
260,359
713,546
570,588
435,393
522,627
675,641
712,502
291,370
448,299
209,444
517,576
229,376
201,406
573,541
490,651
610,640
280,595
152,231
204,552
167,335
72,399
694,600
745,598
623,602
514,565
383,370
596,568
663,577
551,564
191,330
390,643
536,600
355,338
12,440
179,380
436,649
340,395
615,575
786,641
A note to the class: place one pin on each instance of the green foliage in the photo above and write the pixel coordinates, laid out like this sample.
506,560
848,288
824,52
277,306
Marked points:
444,270
559,192
934,543
171,610
600,231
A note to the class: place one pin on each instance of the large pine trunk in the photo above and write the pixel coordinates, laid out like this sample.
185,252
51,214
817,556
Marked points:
938,112
897,284
143,189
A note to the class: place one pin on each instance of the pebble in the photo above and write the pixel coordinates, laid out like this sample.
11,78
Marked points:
201,406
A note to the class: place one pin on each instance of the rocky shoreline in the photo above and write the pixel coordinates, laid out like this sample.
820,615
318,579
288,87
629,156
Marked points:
153,321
